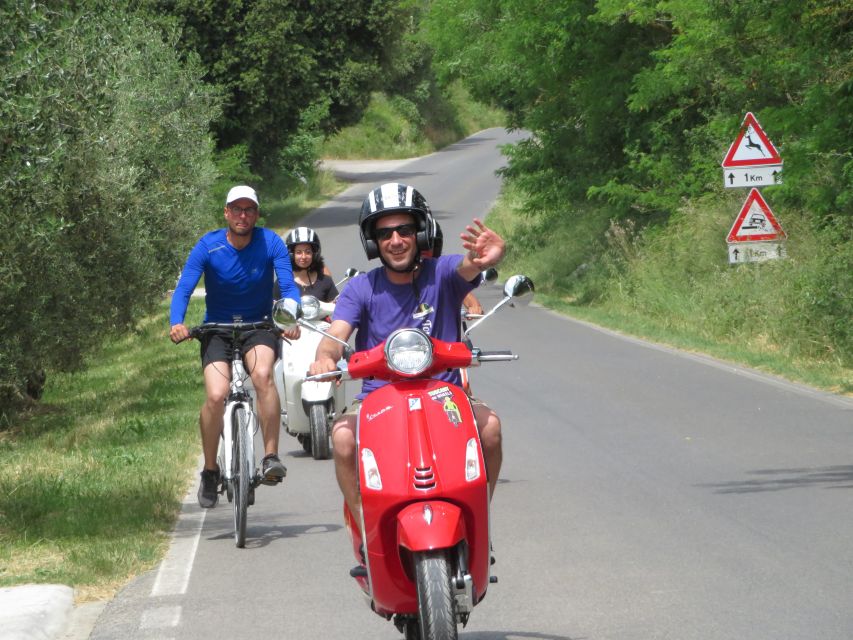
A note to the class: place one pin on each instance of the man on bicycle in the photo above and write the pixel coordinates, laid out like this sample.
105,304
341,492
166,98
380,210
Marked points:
237,263
407,291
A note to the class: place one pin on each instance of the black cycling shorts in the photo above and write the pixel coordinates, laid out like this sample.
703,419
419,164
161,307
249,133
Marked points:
216,348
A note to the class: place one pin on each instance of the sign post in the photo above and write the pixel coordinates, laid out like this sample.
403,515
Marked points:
753,161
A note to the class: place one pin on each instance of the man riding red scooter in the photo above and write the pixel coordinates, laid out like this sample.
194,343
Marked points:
425,455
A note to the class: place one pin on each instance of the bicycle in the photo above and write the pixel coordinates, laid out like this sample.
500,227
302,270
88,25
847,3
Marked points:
239,465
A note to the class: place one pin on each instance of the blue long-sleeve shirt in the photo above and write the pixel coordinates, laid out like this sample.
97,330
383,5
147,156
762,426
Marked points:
238,283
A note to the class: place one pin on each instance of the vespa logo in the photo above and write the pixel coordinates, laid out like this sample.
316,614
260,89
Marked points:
373,416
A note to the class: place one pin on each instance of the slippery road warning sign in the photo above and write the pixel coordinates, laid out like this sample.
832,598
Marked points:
752,147
755,222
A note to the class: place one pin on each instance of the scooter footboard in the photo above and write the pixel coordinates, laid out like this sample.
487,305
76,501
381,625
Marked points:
433,524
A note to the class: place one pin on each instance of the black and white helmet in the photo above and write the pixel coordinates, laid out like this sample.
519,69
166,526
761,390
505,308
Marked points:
302,235
389,198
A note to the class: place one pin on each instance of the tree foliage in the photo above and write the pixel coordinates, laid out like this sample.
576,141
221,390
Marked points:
276,59
104,161
636,102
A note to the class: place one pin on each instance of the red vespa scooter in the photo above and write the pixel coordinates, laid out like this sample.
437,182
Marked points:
423,544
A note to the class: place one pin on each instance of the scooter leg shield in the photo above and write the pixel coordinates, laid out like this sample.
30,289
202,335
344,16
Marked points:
430,525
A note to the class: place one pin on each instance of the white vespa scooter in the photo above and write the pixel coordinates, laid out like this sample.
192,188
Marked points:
308,408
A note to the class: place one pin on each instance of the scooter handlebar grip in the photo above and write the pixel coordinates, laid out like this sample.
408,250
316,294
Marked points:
496,356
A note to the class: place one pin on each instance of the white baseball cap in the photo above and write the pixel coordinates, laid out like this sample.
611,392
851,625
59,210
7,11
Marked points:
241,191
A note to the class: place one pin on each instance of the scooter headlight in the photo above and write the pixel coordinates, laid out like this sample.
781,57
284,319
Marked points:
408,352
311,308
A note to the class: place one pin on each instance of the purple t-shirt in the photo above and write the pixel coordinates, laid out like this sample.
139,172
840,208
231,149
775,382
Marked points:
376,307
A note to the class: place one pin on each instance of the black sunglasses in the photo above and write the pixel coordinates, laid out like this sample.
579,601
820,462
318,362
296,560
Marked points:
403,230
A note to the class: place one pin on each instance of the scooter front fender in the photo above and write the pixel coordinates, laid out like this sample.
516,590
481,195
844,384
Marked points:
314,391
430,524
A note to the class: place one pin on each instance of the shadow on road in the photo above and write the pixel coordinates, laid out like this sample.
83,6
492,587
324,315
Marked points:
513,635
835,477
260,536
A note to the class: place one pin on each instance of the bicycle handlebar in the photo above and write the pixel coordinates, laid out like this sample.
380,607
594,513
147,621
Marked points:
234,328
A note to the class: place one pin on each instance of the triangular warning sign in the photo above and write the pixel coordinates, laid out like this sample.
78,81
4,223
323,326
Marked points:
755,222
752,147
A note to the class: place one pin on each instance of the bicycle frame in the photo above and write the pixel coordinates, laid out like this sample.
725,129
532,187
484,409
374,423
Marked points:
241,394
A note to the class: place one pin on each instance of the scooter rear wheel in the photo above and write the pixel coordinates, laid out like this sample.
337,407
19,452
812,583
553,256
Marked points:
436,605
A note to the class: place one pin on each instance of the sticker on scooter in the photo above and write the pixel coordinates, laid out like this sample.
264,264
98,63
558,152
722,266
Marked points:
440,393
451,410
414,404
423,310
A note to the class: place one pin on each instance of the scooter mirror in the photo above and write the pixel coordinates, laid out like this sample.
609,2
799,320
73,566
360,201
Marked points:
520,288
286,313
350,273
516,288
490,274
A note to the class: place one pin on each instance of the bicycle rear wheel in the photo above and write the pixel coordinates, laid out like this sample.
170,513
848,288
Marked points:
241,474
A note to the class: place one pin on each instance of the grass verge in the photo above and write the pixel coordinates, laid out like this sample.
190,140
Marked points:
393,127
93,477
675,287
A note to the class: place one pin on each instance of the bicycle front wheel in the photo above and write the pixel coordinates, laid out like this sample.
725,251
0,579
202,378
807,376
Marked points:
240,472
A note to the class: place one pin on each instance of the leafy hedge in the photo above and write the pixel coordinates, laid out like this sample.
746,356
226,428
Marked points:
105,161
277,59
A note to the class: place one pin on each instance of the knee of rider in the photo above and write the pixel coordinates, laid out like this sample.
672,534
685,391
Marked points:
490,434
262,379
343,440
216,398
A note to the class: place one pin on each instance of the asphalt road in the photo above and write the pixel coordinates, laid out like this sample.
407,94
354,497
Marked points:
645,494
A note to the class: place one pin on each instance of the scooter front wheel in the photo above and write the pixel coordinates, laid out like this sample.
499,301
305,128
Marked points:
436,605
319,432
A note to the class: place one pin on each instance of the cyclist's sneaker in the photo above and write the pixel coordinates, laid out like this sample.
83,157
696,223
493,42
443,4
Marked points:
273,469
208,488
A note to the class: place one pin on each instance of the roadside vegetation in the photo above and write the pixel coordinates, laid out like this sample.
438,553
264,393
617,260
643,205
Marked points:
616,204
394,128
93,476
676,288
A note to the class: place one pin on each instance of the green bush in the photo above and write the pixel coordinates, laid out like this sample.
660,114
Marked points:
274,59
232,168
105,165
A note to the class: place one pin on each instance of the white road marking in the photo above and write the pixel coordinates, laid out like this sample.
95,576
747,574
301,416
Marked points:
174,573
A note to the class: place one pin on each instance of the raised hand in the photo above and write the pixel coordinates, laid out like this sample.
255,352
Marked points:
485,247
